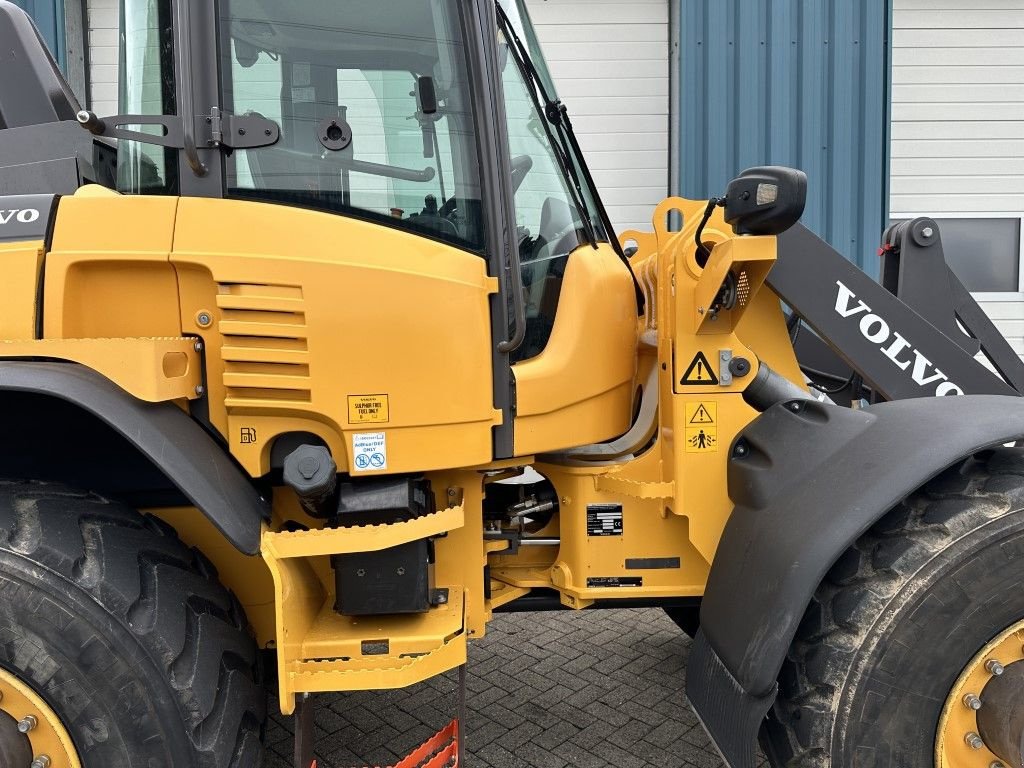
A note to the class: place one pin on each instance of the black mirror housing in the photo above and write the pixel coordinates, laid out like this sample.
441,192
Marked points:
765,201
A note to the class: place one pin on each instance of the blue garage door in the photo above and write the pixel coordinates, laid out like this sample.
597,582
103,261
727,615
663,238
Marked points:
803,83
49,17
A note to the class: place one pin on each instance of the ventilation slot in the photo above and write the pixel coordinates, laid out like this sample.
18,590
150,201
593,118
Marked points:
265,351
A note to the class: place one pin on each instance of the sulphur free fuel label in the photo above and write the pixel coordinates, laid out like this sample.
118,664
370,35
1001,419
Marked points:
701,427
370,451
368,409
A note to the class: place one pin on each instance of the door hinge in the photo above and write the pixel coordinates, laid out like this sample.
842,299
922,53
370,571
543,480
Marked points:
223,129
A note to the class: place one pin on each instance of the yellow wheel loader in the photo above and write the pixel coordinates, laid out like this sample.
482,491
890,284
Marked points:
324,349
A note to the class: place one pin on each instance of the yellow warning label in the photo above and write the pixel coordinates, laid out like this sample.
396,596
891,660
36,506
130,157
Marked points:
701,427
367,409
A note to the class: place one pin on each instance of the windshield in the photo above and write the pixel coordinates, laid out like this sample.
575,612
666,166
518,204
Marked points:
542,88
146,87
374,103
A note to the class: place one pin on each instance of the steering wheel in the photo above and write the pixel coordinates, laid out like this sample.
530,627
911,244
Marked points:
521,165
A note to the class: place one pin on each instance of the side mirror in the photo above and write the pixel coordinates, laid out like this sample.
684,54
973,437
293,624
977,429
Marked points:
766,200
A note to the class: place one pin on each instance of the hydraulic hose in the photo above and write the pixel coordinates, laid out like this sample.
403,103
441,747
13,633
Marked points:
769,388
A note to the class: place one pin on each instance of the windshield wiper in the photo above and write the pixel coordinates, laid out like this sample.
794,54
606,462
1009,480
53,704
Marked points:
555,116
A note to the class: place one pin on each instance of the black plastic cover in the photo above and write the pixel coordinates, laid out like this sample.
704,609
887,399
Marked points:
26,217
387,500
32,89
390,581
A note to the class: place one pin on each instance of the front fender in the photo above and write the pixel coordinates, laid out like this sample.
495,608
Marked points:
807,479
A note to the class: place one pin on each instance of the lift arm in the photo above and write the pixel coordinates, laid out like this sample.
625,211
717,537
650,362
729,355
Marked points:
904,336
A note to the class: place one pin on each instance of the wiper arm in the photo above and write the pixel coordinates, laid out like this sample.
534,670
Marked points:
555,116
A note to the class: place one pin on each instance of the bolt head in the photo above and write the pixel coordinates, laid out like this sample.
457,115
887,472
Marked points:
974,740
927,232
400,571
200,390
204,319
442,598
994,667
972,702
41,761
198,346
27,723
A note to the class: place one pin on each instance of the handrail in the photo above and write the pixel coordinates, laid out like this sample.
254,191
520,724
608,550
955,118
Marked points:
183,48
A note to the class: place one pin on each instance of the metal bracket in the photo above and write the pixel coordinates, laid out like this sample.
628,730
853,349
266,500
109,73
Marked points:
724,371
304,732
224,129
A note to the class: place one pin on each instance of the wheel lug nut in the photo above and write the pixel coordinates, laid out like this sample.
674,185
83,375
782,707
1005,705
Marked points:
974,740
972,702
994,667
42,761
27,723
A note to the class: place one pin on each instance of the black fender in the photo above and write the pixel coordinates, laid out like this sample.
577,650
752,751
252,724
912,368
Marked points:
807,479
190,458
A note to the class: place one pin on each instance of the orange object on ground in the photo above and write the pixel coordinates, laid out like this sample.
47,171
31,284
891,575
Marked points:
439,751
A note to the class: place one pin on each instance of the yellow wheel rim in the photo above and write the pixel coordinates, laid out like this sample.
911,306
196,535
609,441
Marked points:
957,744
48,736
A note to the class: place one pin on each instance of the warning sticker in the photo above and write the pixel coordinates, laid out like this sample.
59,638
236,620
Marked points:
368,409
701,427
370,451
699,372
701,413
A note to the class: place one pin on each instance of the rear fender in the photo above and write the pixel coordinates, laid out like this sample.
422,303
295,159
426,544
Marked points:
807,479
190,458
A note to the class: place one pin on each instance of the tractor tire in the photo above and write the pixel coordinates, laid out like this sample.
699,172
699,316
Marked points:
127,635
898,619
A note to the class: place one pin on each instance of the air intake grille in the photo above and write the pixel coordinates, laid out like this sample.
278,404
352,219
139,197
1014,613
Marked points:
265,351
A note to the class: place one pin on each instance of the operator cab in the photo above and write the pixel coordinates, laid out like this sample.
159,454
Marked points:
370,109
435,118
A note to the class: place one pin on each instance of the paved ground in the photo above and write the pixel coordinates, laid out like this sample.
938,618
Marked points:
597,689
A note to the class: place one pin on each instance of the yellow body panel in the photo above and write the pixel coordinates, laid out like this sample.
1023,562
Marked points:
308,309
22,264
580,389
108,272
154,370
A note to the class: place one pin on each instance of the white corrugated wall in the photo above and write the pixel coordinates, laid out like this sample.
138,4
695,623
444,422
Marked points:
102,20
958,119
610,62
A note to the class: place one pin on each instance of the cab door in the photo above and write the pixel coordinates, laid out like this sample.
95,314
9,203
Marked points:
576,367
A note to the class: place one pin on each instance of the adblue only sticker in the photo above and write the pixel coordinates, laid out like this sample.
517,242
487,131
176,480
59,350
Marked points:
369,451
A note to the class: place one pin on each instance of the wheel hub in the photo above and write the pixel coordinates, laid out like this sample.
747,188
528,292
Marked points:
1001,717
15,748
982,723
31,733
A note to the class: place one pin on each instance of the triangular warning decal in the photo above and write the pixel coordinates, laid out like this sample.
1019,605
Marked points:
699,372
701,416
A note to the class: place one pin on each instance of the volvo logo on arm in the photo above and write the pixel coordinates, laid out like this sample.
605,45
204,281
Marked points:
21,216
892,344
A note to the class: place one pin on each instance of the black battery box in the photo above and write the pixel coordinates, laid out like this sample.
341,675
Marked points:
389,581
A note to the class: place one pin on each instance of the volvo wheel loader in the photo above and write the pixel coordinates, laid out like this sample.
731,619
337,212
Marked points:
324,350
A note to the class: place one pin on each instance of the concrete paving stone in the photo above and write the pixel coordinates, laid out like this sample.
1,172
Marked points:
499,757
558,689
